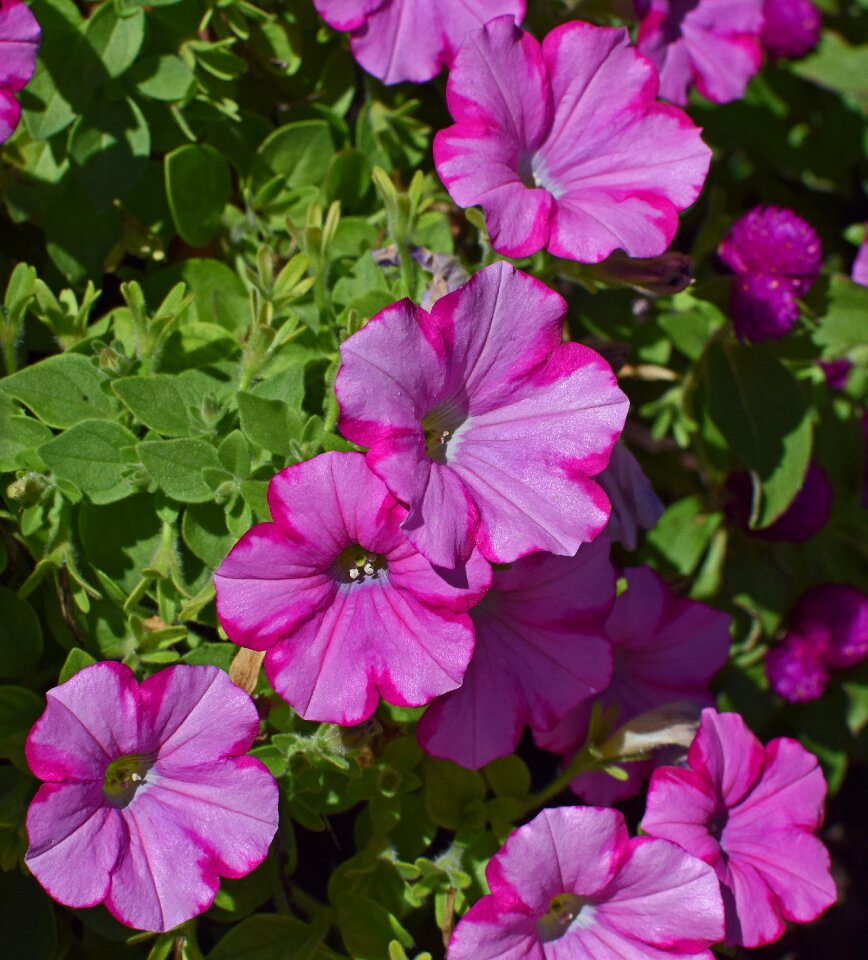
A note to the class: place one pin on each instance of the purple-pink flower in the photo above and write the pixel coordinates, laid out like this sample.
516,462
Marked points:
397,40
635,505
791,28
147,799
665,649
859,270
776,257
480,420
343,604
564,145
573,885
713,45
19,41
540,650
828,630
750,812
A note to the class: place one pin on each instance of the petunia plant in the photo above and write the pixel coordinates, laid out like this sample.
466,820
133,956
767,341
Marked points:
434,487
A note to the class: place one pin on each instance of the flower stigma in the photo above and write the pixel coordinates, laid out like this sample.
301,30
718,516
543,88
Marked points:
354,564
563,913
125,775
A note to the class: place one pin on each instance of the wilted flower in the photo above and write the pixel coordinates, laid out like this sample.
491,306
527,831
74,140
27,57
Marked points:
776,257
343,604
399,40
665,649
573,884
828,629
836,372
710,44
482,421
635,505
564,145
751,813
791,28
540,651
19,41
147,799
806,516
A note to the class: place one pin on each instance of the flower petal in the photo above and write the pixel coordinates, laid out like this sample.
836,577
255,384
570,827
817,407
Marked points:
727,754
680,807
19,41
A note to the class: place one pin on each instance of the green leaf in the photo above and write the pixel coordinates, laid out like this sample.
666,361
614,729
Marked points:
62,390
198,184
234,454
449,791
109,148
270,937
19,710
120,539
759,407
206,534
20,637
18,435
91,454
114,39
176,466
269,424
508,777
165,77
76,660
219,294
844,326
683,533
162,402
367,928
298,153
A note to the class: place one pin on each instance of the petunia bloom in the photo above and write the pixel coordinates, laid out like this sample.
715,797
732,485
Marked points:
343,604
635,505
540,651
776,257
564,145
828,630
791,28
573,884
859,270
713,45
147,798
750,812
665,649
398,40
482,421
19,41
806,516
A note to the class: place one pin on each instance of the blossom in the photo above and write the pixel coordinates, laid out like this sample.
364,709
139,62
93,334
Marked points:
19,41
791,28
751,813
343,604
540,651
713,45
665,649
147,800
859,270
776,257
828,629
564,145
806,515
635,505
397,40
482,421
836,372
572,883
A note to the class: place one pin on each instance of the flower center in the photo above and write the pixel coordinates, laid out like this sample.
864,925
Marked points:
439,426
125,775
563,913
354,564
718,821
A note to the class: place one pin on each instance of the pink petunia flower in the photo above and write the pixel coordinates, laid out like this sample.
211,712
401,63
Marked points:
776,256
564,145
828,630
343,604
398,40
540,651
859,270
635,505
713,45
148,799
751,813
665,649
482,421
19,41
791,28
573,884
